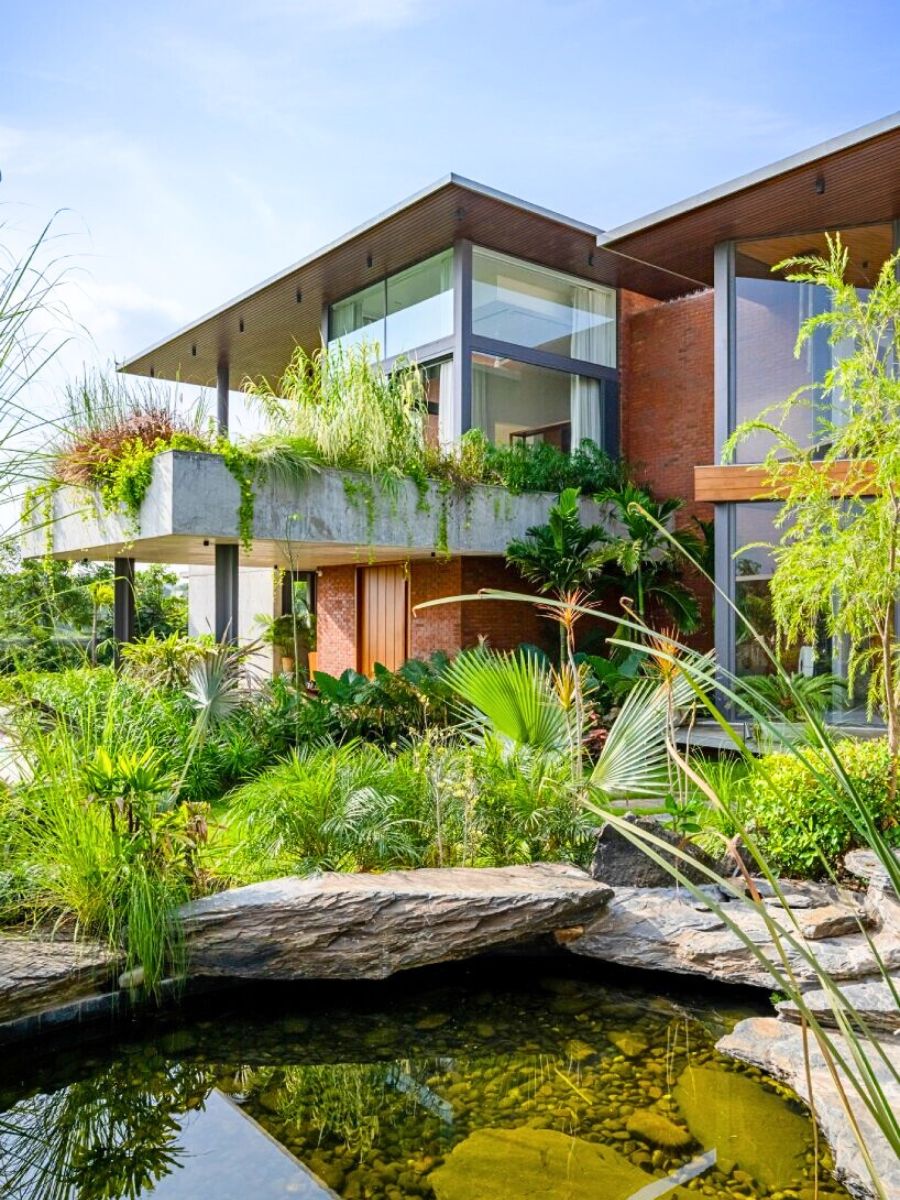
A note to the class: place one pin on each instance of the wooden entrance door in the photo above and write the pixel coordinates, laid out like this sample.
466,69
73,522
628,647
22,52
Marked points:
383,617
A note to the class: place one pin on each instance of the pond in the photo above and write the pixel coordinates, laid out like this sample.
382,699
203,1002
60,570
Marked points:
503,1078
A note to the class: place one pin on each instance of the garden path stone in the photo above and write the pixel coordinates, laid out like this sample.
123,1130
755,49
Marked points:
361,926
777,1048
667,929
36,975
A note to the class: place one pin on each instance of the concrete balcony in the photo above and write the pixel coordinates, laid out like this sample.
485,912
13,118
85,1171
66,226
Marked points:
331,517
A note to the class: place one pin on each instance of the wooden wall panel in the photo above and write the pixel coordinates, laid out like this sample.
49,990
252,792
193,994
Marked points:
736,482
383,617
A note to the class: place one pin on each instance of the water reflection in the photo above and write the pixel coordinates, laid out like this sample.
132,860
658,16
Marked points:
485,1086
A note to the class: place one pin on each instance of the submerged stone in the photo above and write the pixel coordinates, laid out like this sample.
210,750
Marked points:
511,1164
632,1045
750,1128
653,1127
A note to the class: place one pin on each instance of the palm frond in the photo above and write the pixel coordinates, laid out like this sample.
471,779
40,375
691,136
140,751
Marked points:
512,697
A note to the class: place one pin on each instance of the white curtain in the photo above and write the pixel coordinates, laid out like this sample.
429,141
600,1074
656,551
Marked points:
594,326
480,381
593,340
586,414
449,416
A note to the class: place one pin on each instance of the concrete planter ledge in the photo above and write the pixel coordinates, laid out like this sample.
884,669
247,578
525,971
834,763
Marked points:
330,517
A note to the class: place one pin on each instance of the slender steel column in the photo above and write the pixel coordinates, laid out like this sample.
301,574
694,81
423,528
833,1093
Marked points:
226,582
462,337
222,388
123,603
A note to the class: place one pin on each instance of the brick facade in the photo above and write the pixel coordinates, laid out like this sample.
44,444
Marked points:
336,622
666,389
450,627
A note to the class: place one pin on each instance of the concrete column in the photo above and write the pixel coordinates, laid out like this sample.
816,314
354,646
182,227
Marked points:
123,605
226,592
222,389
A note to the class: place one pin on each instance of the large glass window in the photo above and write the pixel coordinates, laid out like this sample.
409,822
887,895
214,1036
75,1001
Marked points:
754,567
513,301
400,313
420,305
769,313
517,402
359,318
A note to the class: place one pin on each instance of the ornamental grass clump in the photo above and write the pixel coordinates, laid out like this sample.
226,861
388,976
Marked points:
113,432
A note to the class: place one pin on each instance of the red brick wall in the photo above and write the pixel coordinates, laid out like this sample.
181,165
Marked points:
336,619
449,627
666,364
504,623
435,628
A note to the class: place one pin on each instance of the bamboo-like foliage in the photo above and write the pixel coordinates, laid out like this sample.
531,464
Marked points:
838,558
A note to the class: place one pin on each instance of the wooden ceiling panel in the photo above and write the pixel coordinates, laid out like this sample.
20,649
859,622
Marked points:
861,187
274,321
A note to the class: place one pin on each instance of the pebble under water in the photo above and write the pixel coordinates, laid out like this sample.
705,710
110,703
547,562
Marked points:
493,1080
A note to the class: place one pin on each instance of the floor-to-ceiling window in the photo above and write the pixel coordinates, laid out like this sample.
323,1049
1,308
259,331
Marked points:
543,354
398,314
765,313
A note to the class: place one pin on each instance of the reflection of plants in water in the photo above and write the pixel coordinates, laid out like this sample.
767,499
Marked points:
113,1135
343,1102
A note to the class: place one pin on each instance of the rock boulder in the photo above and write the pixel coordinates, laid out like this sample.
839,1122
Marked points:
337,926
39,975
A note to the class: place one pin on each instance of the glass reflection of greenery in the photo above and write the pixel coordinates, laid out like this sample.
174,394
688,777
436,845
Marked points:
113,1135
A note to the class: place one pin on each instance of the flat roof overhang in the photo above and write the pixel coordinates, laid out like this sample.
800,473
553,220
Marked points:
330,518
257,331
853,179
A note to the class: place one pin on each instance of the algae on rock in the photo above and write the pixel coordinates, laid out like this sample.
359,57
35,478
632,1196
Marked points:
750,1128
542,1164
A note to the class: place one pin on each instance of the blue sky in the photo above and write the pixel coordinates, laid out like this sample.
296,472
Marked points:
198,146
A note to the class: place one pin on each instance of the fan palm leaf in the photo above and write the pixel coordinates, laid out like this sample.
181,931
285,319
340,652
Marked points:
512,697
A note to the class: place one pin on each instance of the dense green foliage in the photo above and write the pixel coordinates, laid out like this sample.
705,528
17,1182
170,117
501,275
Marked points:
358,807
47,613
794,814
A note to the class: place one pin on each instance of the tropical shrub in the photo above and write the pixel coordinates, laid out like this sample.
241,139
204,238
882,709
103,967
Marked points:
388,708
802,830
114,431
793,695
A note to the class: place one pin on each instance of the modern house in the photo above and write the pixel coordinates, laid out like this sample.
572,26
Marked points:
654,339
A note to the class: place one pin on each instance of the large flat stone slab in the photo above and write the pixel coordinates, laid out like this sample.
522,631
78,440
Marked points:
874,1001
667,929
336,926
37,975
777,1047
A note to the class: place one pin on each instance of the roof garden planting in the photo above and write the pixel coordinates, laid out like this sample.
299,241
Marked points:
334,409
